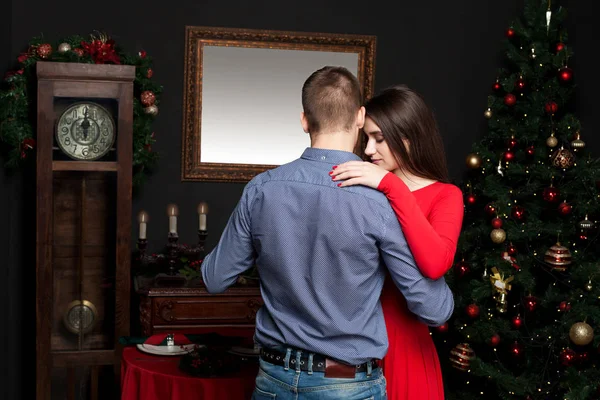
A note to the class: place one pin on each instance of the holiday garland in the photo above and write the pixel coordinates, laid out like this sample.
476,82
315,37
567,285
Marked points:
18,92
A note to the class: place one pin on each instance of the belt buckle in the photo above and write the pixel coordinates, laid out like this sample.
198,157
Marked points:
334,369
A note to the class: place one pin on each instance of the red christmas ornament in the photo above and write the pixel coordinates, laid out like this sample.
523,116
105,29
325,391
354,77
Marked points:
520,84
584,357
495,340
567,357
497,86
473,310
565,208
518,212
148,98
510,33
517,322
442,328
551,107
510,99
560,47
490,209
530,303
149,73
511,250
508,155
497,223
471,199
142,54
564,306
551,194
44,50
462,268
516,350
530,151
512,142
565,74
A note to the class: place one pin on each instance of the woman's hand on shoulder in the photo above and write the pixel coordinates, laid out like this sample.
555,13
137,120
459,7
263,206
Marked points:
358,173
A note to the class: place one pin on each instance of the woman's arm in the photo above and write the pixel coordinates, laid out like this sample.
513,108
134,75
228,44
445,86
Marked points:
432,241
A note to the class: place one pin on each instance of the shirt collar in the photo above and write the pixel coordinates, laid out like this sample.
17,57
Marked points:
329,156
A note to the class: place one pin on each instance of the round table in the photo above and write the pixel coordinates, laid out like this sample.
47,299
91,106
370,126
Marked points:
149,377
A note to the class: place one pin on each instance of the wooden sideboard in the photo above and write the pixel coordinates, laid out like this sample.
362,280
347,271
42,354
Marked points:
168,309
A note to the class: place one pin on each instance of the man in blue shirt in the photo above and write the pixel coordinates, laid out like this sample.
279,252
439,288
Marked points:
321,252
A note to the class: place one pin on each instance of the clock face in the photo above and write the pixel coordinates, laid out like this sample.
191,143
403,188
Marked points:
80,316
85,131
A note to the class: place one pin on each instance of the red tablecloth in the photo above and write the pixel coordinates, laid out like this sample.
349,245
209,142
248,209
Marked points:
148,377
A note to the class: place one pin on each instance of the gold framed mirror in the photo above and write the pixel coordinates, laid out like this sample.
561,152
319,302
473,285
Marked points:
242,96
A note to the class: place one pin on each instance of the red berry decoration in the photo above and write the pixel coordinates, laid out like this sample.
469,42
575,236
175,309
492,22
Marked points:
496,86
495,340
497,223
462,269
511,250
564,306
530,303
149,73
471,199
530,151
567,357
508,155
551,107
565,74
510,33
520,84
565,208
510,99
473,310
490,209
560,47
79,51
512,142
551,194
517,322
518,212
516,350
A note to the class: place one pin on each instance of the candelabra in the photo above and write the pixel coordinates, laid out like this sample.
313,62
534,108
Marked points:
168,263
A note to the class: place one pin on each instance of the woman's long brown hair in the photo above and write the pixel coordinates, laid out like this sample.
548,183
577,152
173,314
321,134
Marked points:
402,114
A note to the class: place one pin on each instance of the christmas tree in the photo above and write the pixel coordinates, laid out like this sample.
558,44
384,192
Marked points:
527,266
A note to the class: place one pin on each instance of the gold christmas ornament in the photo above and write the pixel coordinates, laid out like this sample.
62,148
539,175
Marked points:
586,223
488,113
501,287
461,356
577,143
552,141
558,256
498,235
152,110
581,333
64,47
473,161
563,158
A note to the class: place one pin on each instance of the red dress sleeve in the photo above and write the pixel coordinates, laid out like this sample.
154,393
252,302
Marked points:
431,239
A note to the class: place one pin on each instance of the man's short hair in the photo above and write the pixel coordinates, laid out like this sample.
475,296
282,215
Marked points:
331,97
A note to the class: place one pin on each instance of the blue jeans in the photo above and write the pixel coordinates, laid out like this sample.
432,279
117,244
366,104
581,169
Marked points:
275,382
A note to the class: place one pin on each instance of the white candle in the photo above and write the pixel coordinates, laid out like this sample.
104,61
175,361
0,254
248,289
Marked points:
172,212
143,220
202,211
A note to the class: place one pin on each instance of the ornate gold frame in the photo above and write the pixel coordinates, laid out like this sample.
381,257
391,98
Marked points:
192,169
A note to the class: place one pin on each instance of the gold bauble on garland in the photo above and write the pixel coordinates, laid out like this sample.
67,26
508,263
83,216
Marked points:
498,235
581,333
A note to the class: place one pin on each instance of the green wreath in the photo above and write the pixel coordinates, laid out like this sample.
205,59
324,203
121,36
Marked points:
18,97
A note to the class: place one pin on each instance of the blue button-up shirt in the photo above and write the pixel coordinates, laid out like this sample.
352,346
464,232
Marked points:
321,253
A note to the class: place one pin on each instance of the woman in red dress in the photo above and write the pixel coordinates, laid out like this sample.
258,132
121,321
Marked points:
408,164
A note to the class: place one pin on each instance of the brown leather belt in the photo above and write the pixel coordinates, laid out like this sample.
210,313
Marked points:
321,363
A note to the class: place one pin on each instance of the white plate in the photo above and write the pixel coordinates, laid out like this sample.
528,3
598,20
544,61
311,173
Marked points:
176,350
245,351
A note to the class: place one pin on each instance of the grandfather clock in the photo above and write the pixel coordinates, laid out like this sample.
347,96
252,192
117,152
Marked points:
84,170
